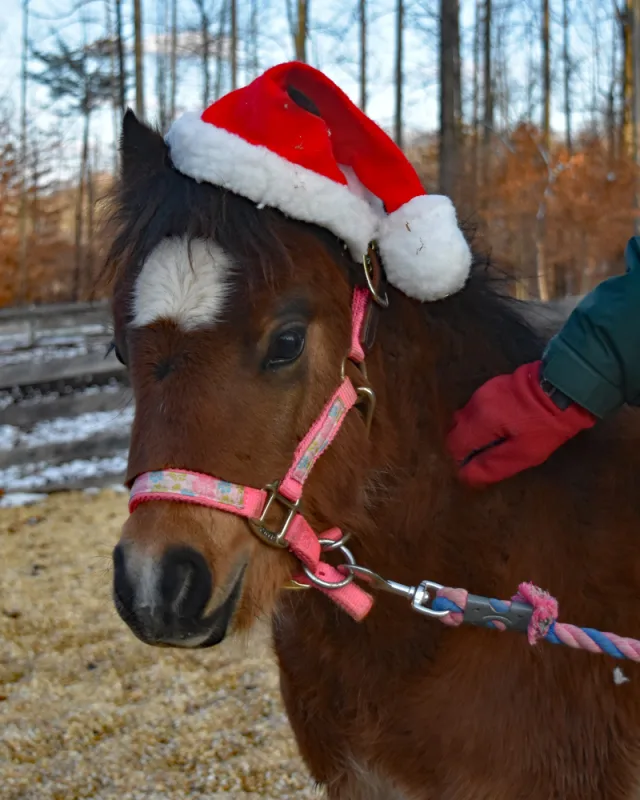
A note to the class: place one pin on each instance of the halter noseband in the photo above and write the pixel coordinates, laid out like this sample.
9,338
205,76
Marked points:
295,533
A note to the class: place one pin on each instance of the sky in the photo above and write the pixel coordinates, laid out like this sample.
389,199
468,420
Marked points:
336,55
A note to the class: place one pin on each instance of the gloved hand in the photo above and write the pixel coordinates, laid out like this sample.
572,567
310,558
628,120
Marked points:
509,425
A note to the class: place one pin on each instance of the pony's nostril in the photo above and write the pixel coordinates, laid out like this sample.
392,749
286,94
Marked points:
186,582
121,583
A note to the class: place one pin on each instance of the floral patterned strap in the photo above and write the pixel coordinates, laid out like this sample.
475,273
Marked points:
193,487
319,437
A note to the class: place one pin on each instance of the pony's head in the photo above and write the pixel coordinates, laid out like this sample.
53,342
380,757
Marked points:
235,323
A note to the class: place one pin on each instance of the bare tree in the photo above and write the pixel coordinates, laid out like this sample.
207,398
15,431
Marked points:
399,75
234,44
82,80
161,61
477,36
174,58
546,76
566,61
205,45
222,27
22,259
299,26
636,105
121,64
625,19
488,87
254,58
139,57
362,21
449,94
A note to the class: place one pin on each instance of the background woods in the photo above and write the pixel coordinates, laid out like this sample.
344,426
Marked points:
526,112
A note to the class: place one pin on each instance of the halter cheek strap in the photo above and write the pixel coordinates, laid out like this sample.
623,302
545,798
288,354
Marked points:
295,534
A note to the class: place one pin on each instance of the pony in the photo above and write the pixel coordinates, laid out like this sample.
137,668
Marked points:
234,321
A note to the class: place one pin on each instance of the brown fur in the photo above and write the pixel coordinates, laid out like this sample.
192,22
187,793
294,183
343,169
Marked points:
398,700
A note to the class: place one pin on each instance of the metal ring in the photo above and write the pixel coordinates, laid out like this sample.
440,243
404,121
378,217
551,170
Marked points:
383,302
328,584
329,544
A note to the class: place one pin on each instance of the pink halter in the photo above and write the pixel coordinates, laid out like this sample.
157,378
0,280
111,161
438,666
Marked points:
295,533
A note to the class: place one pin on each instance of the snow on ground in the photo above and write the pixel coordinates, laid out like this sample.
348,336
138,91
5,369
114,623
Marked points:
20,499
26,478
43,354
66,429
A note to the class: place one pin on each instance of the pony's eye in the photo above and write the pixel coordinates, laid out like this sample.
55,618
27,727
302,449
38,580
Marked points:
286,347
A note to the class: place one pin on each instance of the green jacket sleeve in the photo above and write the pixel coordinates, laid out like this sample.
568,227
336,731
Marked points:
595,358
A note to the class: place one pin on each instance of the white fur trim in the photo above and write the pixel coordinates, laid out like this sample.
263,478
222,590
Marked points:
423,250
187,284
216,156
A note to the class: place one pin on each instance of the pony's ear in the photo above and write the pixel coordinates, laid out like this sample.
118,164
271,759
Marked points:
142,149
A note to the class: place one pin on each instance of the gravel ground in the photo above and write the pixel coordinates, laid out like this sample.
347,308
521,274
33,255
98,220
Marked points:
86,711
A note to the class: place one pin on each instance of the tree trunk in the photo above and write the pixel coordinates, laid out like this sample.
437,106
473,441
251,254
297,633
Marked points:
139,57
611,100
636,105
449,95
79,243
88,270
121,65
115,121
301,30
475,160
23,278
488,90
399,77
161,62
626,21
234,44
174,57
362,19
253,40
222,29
546,78
206,46
567,75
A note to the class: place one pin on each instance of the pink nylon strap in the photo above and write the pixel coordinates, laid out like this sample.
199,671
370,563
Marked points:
359,305
194,487
304,544
319,437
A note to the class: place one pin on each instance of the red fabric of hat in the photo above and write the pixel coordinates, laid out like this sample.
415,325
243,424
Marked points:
294,141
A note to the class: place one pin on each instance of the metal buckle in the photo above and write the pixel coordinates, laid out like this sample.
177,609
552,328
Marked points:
274,538
372,274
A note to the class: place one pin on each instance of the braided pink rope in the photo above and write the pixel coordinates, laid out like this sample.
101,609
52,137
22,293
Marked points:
572,636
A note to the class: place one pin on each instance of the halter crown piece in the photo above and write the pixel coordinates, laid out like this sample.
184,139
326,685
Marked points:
292,140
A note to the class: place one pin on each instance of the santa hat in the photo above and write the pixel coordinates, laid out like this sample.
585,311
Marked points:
293,140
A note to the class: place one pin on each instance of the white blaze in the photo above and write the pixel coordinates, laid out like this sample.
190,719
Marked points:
184,282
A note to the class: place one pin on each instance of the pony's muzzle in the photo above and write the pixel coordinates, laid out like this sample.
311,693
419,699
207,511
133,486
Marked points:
163,598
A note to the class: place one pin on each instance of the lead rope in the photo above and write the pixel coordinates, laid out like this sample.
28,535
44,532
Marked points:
531,610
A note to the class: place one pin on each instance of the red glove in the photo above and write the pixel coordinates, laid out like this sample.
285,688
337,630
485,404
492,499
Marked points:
509,425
